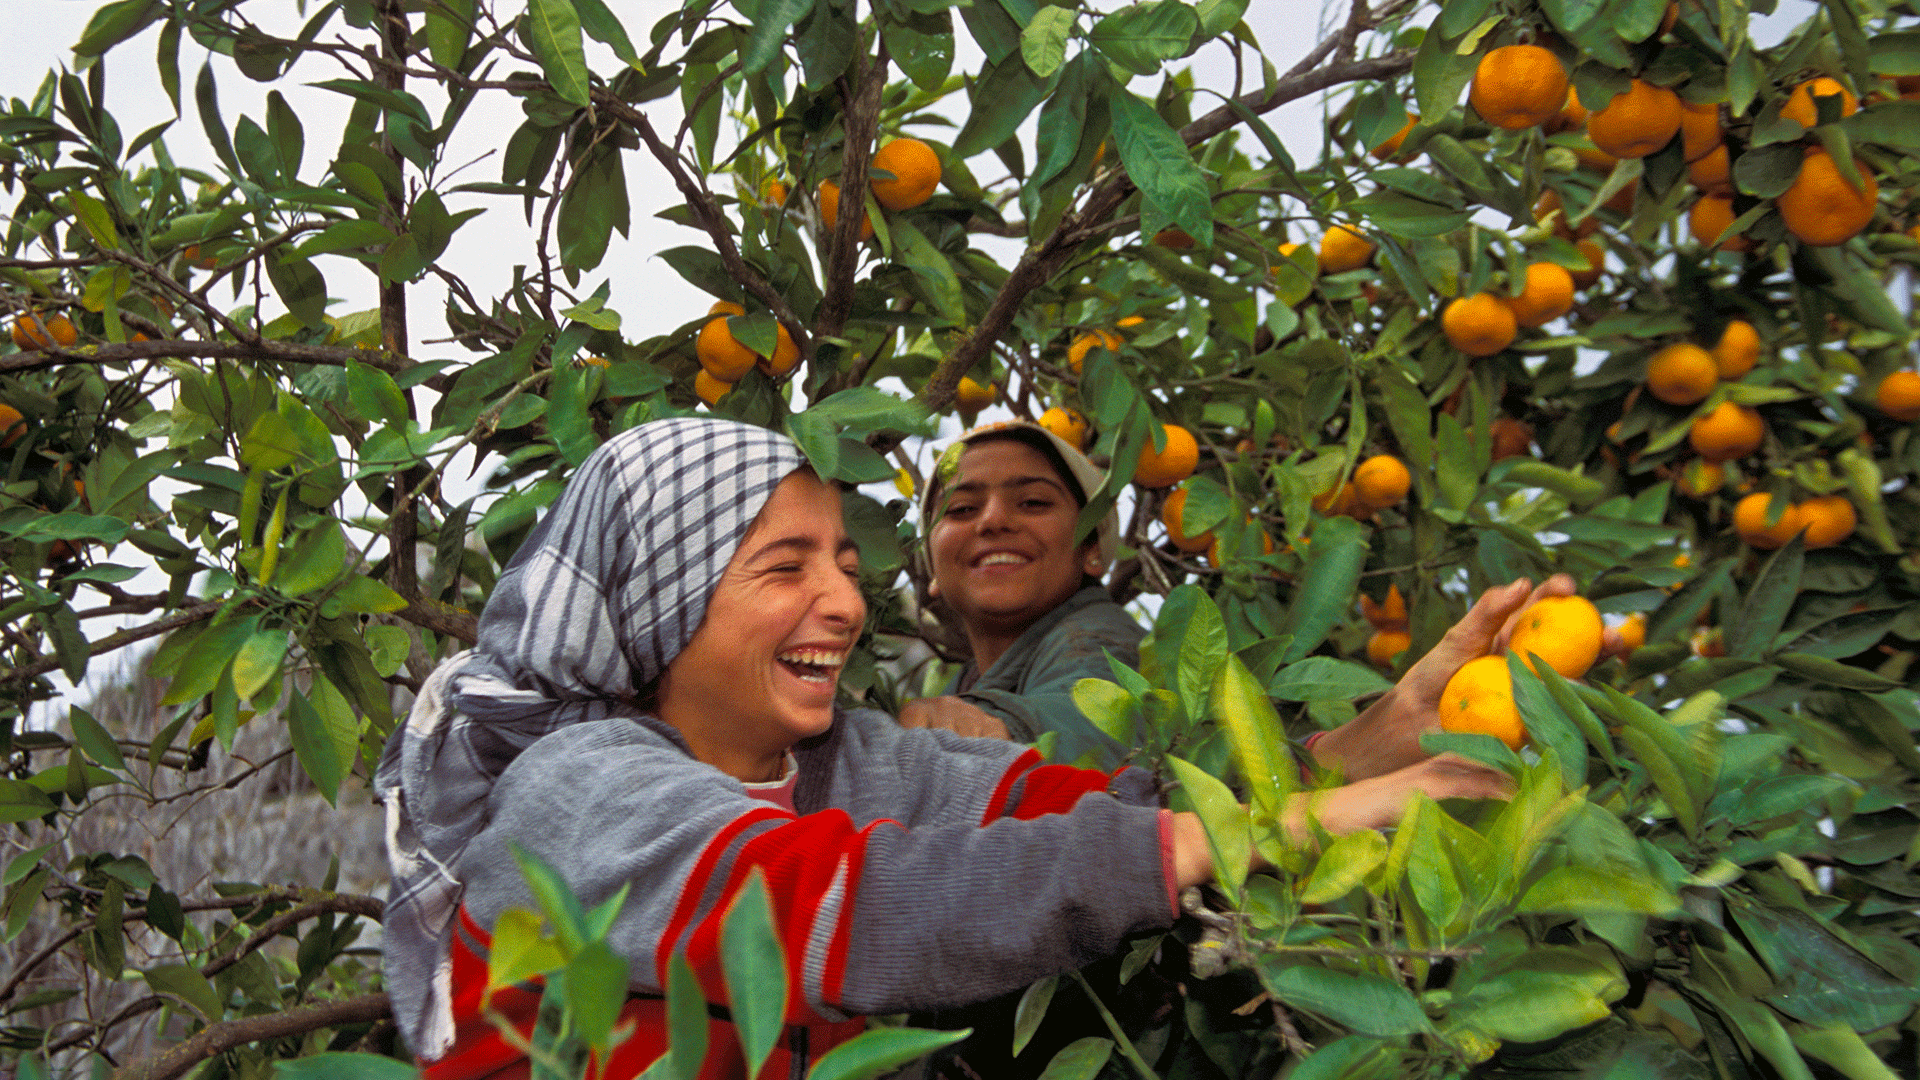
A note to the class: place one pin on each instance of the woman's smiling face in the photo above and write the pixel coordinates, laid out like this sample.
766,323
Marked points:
760,673
1002,548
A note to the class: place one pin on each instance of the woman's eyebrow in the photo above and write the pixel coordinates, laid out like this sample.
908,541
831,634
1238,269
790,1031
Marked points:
1012,482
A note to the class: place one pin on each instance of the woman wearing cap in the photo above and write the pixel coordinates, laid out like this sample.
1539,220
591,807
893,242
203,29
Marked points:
650,706
1000,553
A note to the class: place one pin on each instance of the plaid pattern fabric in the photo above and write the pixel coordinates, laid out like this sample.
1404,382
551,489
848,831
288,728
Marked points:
604,593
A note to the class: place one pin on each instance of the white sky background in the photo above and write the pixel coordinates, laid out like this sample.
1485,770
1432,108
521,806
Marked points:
651,298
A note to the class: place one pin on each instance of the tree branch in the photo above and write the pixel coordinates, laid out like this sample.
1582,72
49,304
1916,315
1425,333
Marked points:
430,614
860,120
280,351
184,617
221,1037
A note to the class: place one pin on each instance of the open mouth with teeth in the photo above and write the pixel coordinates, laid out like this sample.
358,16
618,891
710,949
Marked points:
1002,558
813,665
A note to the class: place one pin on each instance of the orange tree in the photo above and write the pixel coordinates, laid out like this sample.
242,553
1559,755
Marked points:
1708,865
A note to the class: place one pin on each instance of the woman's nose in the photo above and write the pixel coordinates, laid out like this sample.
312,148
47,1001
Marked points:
841,603
994,513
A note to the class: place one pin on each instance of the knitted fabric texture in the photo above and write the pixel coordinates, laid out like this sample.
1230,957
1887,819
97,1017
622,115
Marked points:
604,593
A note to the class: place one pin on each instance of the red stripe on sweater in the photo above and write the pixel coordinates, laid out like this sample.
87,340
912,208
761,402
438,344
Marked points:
997,804
696,883
1053,789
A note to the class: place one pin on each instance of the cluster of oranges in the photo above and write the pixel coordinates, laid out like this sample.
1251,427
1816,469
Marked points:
1563,631
914,169
1388,618
34,330
1484,324
1821,522
1378,482
725,360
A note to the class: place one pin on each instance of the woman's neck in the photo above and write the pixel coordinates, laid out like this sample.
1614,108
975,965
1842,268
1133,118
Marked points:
989,645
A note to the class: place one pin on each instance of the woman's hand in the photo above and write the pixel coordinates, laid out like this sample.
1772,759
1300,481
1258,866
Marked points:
954,715
1386,736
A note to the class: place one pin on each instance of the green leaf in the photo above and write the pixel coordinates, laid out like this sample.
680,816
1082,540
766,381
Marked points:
602,26
1473,746
94,739
1366,1003
880,1050
756,969
1325,678
770,24
687,1021
258,662
1198,641
325,733
596,986
1345,863
1257,737
206,96
334,1065
1002,97
557,901
1159,163
187,984
362,595
704,270
313,561
1769,600
1043,44
1336,555
553,31
1584,890
1109,707
21,801
931,267
1142,36
206,658
1081,1059
519,950
1027,1017
1228,836
1834,673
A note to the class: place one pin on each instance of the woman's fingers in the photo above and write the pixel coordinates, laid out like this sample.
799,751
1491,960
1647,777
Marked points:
1557,585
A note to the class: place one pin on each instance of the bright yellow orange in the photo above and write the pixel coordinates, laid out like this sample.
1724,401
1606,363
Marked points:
1343,249
1518,86
1546,295
1170,466
1712,173
1479,325
1737,350
1829,520
1511,438
1176,504
1565,631
12,425
971,396
1898,395
1479,700
1388,614
1700,130
1701,478
916,172
1393,142
1727,432
774,191
1801,106
786,355
1750,521
708,388
830,210
1597,264
1385,646
1710,216
1821,208
1681,374
1067,424
1633,632
1084,344
1381,481
1638,122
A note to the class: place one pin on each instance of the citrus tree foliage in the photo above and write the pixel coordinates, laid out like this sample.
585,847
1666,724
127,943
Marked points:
1707,869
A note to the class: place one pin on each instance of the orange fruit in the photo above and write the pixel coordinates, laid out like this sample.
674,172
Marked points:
1479,700
1287,250
1737,350
1343,249
1336,500
830,209
1725,433
1898,395
1511,438
1479,325
1708,642
1702,477
1547,295
1638,122
1750,521
1565,631
1518,86
12,425
1597,264
1633,632
1801,106
1170,517
1549,202
1381,481
1713,174
1131,320
1067,424
1710,216
1084,344
1170,466
1700,130
1572,116
916,172
971,396
721,355
1388,614
36,331
1385,646
1829,519
708,388
193,257
1393,142
785,353
1682,374
1821,208
774,191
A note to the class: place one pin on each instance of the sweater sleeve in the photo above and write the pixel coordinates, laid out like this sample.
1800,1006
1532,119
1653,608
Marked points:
1076,649
876,915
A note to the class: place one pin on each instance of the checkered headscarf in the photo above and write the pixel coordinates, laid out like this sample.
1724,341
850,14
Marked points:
604,593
